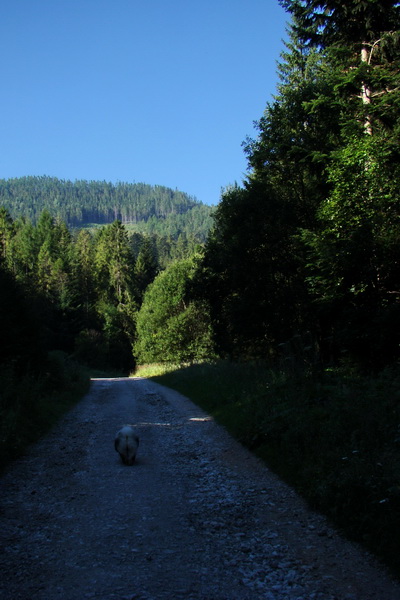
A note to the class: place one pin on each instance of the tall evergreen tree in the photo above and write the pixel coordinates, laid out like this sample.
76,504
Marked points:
114,263
353,253
116,305
146,267
6,233
254,261
362,38
23,254
83,277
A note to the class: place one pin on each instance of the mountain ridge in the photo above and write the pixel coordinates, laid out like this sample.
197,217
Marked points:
82,203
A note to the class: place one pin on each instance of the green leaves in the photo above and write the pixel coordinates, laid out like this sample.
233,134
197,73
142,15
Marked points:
170,326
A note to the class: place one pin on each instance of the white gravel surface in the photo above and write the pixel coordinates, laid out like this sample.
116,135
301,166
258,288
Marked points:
196,517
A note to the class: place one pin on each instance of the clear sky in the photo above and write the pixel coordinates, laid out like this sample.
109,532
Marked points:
154,91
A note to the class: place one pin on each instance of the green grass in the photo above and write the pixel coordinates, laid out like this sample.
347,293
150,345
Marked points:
155,370
335,438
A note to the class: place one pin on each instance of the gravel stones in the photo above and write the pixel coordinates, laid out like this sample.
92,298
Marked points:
196,517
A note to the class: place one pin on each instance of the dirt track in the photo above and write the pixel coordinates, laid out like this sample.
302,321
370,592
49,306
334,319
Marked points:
197,517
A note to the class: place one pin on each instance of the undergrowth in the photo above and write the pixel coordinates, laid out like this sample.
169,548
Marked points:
334,437
30,404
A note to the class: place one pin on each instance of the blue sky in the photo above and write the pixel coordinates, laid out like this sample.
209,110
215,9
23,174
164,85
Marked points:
153,91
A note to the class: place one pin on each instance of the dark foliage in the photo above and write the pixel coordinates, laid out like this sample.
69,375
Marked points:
309,246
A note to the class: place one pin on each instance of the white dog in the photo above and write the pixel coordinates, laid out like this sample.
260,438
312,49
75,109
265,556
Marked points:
127,443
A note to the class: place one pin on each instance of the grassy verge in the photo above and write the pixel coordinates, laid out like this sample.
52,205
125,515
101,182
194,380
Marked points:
31,405
157,369
335,438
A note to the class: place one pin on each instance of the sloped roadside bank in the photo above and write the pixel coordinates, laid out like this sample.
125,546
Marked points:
332,435
198,517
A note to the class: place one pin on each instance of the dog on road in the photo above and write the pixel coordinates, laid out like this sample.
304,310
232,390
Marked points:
126,444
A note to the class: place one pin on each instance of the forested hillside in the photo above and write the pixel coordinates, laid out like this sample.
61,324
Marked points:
154,209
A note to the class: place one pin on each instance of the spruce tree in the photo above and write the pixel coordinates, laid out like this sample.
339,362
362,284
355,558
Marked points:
353,252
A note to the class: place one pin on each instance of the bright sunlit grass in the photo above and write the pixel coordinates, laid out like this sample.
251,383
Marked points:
154,370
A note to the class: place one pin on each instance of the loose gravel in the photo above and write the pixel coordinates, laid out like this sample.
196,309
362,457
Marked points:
196,517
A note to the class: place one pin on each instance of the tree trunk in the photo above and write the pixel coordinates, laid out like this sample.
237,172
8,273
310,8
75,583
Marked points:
366,92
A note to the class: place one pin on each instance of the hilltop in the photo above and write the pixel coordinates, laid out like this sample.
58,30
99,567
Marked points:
146,208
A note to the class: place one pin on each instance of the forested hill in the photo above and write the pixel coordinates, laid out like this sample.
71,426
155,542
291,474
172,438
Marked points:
81,203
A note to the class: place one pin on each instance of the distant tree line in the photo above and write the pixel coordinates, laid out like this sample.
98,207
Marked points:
82,289
157,209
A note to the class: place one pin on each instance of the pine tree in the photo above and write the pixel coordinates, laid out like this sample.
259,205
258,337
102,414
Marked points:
116,305
362,39
298,131
254,259
114,263
6,233
353,252
146,267
83,277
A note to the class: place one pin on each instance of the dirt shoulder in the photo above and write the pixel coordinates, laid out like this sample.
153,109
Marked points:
197,517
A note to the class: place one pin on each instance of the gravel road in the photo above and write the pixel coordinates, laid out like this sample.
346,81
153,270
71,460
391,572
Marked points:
197,516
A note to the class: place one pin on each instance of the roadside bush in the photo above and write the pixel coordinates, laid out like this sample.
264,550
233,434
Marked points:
31,403
171,328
